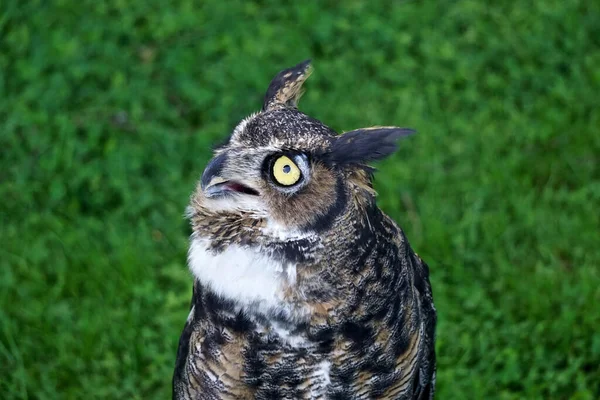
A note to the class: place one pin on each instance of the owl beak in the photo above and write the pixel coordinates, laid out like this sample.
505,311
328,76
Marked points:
214,184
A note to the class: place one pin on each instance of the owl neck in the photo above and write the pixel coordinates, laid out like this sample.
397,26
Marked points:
294,277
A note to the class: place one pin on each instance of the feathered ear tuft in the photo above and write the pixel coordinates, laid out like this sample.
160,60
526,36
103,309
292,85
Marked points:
368,144
286,88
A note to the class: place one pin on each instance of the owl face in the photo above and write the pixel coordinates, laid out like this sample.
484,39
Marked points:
273,167
286,168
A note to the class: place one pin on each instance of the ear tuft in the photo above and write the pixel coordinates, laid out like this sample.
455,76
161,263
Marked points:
286,88
368,144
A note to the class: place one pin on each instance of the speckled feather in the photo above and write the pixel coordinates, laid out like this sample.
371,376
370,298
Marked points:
347,309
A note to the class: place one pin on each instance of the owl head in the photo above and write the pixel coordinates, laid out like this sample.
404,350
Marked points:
285,172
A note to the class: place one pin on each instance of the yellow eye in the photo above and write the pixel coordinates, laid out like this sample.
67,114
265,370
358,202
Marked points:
285,171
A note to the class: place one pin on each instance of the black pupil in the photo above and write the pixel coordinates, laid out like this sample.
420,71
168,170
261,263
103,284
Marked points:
287,169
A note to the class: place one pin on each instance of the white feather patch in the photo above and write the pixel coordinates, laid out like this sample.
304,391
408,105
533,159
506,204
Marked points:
191,314
241,273
287,336
283,233
322,378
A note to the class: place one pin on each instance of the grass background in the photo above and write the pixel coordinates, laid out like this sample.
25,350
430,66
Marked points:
108,111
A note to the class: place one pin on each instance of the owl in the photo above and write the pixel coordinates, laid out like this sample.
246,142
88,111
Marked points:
303,288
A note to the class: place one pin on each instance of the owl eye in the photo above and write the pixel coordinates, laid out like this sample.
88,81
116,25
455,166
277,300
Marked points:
285,172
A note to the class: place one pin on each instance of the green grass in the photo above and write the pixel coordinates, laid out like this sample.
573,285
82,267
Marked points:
108,114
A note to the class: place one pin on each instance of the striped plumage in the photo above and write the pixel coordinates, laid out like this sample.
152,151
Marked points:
306,290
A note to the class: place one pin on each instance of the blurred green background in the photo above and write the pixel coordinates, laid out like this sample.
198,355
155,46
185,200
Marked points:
108,111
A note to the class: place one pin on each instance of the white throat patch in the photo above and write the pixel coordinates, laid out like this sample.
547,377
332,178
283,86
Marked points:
242,273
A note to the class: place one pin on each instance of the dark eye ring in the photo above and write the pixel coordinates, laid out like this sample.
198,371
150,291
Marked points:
287,170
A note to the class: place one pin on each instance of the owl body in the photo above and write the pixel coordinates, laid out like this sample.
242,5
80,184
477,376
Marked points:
303,288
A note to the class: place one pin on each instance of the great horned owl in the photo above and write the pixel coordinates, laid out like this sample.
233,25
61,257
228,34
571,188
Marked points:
303,288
